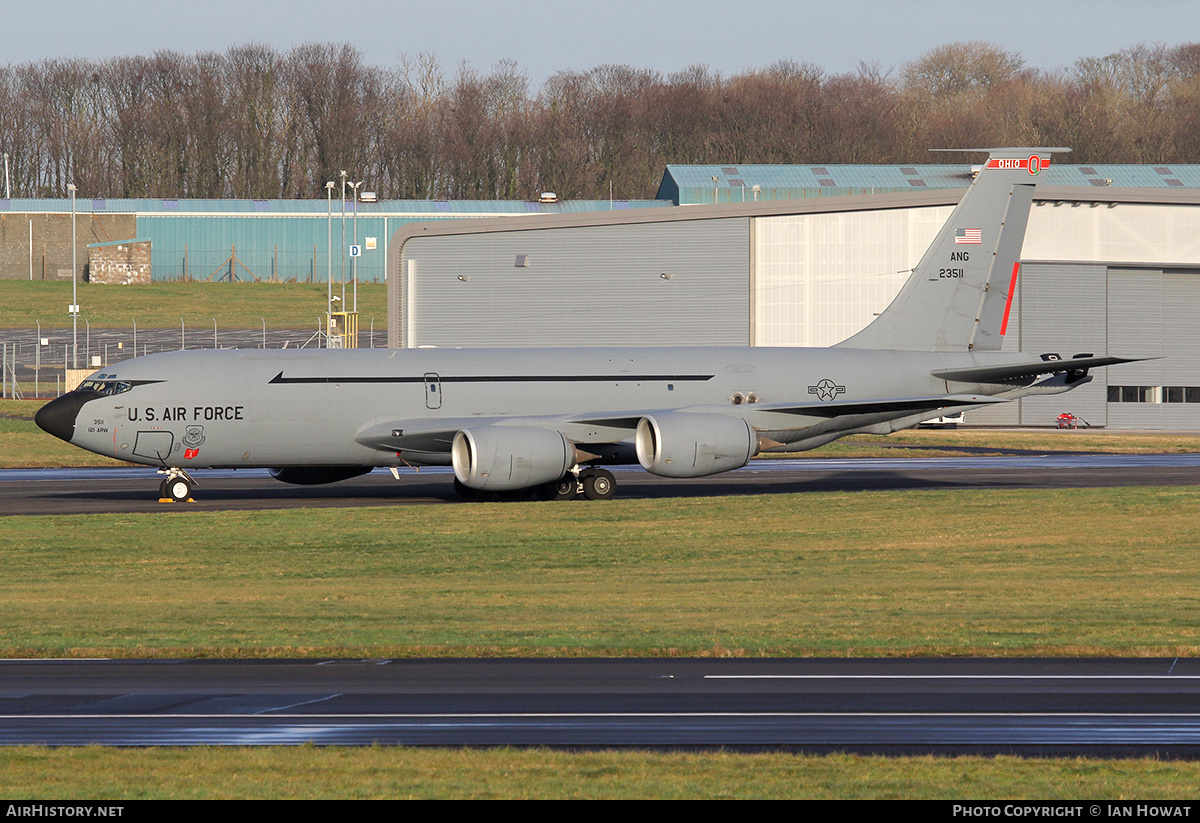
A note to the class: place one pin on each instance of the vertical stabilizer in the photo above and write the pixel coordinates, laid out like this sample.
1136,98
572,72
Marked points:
957,298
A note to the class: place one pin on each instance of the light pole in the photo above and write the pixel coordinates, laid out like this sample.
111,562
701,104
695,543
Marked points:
343,176
354,260
74,289
329,202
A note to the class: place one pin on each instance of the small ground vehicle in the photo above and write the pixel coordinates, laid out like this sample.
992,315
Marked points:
1066,420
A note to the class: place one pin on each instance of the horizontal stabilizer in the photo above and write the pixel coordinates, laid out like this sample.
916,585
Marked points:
1004,373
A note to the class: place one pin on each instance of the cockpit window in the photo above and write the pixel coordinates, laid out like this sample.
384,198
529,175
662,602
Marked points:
106,388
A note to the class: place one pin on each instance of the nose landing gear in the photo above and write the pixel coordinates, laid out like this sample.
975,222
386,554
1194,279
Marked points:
176,486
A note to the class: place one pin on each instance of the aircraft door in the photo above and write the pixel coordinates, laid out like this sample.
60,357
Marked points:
153,444
433,391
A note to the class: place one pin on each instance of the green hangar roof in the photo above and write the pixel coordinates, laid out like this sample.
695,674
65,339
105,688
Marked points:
690,185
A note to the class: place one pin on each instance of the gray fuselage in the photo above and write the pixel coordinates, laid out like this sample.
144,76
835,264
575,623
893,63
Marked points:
277,408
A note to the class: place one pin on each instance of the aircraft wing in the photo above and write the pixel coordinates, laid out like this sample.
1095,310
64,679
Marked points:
437,435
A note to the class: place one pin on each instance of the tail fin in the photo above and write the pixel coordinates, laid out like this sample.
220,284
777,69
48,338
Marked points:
957,298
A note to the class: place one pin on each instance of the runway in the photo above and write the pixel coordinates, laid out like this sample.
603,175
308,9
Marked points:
1025,707
105,490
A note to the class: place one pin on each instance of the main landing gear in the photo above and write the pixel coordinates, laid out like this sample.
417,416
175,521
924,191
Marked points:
176,486
592,483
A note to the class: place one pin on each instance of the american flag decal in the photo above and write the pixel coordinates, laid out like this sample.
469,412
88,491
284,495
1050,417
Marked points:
968,236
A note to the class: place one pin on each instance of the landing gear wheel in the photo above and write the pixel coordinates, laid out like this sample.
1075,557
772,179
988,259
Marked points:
178,489
599,484
162,488
564,488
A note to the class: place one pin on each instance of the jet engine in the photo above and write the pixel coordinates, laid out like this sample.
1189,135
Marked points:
679,444
316,475
499,458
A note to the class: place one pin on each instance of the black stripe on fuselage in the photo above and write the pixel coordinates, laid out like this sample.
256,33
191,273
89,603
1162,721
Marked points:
508,378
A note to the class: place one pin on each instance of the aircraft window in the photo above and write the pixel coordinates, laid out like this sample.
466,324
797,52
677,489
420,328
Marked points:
106,387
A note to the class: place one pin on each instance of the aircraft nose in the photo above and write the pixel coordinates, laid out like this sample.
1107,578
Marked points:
58,416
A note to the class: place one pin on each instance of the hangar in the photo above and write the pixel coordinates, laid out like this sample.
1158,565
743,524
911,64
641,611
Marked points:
1110,265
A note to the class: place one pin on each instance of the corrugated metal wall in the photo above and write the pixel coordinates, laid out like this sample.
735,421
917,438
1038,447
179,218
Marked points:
1063,309
284,247
1155,312
657,284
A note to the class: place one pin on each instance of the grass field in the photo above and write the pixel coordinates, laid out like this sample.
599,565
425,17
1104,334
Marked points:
379,773
859,574
161,305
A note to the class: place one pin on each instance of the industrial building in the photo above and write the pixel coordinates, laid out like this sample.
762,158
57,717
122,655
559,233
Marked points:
234,240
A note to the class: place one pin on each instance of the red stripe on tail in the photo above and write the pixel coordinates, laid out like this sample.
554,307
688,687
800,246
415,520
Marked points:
1012,287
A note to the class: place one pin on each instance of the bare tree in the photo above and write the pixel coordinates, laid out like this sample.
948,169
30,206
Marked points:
254,122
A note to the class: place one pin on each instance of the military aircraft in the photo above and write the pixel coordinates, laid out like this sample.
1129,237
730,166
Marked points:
514,421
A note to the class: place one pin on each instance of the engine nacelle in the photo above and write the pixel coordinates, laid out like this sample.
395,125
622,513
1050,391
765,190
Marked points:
693,445
499,458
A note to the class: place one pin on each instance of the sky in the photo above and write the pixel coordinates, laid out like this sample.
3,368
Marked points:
547,37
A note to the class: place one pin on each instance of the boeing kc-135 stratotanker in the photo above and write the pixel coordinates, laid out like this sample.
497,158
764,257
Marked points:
547,420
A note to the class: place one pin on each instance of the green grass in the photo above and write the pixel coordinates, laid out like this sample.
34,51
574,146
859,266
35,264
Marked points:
161,305
1070,572
377,773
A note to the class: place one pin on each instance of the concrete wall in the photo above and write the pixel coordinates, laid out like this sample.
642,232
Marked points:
50,255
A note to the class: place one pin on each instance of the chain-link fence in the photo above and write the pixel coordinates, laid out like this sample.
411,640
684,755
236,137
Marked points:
34,362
